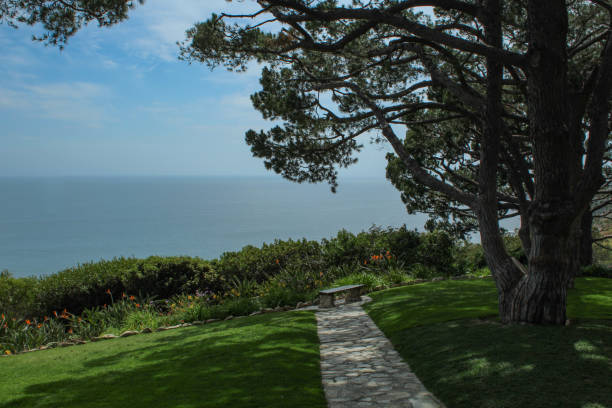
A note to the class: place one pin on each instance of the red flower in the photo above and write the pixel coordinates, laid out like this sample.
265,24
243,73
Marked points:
28,322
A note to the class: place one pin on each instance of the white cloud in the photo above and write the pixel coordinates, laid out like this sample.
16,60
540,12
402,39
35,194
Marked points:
109,64
166,22
84,103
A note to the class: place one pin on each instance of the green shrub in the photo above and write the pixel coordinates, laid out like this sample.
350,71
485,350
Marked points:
164,277
240,306
369,279
514,247
397,275
470,257
147,318
18,296
82,286
347,248
596,270
277,295
436,252
260,264
420,271
87,285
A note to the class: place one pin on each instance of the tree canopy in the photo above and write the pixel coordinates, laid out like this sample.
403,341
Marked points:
61,19
504,105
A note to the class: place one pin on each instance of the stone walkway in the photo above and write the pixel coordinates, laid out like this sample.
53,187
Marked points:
359,366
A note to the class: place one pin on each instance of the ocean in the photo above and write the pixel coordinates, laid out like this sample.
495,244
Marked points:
51,223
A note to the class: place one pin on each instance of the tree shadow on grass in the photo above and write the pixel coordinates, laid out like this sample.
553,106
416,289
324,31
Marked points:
425,304
474,363
256,362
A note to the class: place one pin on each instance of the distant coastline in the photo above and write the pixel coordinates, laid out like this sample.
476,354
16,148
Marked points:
51,223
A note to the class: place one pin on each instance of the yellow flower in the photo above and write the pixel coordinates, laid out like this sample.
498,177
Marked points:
189,297
7,352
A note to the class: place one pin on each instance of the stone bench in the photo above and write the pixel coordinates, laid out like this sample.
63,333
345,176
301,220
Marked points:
326,297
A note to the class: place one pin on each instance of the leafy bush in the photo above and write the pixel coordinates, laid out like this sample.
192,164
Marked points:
596,270
348,248
88,285
369,279
397,275
260,264
17,295
147,318
436,252
239,307
470,257
514,247
420,271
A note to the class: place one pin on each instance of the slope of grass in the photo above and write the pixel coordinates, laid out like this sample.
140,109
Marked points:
449,335
262,361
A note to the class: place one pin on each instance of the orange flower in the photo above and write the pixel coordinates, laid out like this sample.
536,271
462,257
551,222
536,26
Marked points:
108,291
70,330
277,261
39,325
365,262
132,297
28,322
104,306
137,304
2,316
55,313
46,318
123,295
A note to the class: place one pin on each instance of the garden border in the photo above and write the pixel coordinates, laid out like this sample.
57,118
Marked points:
298,306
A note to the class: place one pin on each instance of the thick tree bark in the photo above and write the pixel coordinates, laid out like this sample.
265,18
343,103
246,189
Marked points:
505,273
540,296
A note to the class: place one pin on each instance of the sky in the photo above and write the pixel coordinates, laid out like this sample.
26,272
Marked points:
117,101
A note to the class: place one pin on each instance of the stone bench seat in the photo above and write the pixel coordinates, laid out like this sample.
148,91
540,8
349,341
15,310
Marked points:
326,297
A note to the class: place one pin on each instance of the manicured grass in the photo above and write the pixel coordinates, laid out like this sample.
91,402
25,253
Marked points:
449,335
268,360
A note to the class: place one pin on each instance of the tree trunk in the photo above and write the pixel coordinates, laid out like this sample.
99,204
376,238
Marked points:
540,296
553,222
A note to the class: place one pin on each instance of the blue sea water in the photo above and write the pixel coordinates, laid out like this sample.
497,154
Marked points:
49,224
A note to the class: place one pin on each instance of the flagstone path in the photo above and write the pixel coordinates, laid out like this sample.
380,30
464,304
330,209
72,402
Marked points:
359,366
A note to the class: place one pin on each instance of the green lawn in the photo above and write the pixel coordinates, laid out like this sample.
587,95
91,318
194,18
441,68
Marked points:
268,360
448,333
